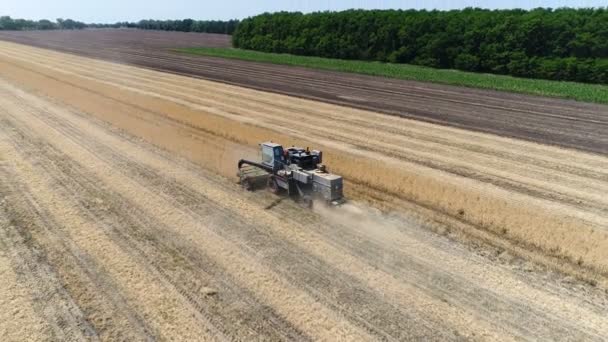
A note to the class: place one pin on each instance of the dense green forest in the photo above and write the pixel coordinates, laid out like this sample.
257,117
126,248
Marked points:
186,25
559,44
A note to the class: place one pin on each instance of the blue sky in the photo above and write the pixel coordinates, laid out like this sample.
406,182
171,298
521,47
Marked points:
133,10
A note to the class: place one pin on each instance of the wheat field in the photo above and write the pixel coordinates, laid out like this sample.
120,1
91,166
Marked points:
539,198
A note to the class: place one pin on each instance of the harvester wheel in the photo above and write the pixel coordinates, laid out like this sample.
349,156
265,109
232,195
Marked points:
273,186
246,184
306,202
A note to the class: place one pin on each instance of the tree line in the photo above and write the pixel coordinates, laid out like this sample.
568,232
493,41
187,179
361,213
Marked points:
186,25
190,25
557,44
8,23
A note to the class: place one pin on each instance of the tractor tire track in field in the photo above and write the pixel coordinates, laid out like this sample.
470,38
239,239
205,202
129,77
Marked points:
104,313
63,318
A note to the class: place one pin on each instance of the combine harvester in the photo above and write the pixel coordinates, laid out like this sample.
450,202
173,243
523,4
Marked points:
295,172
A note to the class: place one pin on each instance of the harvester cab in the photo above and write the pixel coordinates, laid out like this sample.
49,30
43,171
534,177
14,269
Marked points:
295,171
272,155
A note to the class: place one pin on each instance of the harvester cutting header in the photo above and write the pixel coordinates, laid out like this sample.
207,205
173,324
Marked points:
296,172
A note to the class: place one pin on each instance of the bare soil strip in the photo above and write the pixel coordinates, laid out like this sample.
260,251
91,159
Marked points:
149,242
544,120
